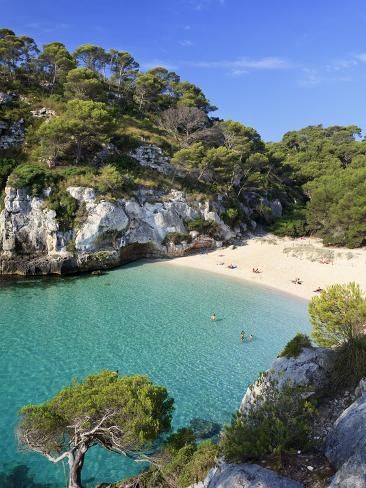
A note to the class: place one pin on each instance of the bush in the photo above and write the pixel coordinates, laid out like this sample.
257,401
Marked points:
207,227
350,364
65,206
232,216
176,238
292,223
6,167
196,469
32,176
280,421
295,346
338,315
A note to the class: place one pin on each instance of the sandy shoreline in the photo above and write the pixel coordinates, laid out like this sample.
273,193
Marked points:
281,260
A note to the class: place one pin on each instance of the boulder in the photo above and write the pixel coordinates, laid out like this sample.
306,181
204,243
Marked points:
361,388
310,369
245,476
351,475
348,437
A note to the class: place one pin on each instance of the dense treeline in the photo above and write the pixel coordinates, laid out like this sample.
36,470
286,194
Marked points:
329,165
102,105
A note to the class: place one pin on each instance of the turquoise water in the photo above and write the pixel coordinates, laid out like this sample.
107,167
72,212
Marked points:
150,318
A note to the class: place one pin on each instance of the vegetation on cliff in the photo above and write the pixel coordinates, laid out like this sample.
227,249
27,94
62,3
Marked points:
84,110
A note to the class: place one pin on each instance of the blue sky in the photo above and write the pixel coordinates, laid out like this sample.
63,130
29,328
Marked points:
275,65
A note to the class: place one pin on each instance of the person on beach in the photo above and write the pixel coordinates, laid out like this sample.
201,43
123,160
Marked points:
242,336
213,316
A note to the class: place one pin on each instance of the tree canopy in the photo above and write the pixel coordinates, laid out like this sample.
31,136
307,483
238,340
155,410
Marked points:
121,414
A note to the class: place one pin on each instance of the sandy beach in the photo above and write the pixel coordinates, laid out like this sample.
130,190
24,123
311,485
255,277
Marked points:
282,260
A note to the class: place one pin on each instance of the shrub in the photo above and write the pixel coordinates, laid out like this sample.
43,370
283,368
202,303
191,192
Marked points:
6,167
65,206
207,227
196,469
338,315
231,216
350,364
70,246
280,421
292,223
32,176
176,238
295,346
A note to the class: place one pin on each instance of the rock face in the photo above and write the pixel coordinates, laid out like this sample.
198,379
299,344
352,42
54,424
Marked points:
310,369
352,474
26,227
11,134
108,234
346,447
348,438
245,476
151,156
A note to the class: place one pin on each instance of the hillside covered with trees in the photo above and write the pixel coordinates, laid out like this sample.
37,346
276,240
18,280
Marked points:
73,118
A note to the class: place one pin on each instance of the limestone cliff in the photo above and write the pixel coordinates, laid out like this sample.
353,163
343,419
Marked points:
110,233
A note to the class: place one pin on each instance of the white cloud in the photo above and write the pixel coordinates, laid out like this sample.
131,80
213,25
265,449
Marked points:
186,43
243,65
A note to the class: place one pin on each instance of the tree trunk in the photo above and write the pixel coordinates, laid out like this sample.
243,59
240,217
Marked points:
76,462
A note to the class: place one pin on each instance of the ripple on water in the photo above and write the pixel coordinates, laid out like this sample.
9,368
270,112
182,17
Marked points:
141,319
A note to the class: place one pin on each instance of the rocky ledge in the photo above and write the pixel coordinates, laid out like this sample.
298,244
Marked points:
340,428
107,235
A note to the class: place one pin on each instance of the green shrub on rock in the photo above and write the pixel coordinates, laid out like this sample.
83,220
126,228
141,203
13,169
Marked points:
207,227
338,315
295,346
350,364
280,421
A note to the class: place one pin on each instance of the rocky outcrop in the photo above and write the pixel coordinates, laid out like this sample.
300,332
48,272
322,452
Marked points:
7,97
245,476
43,113
151,156
309,369
26,226
107,233
348,438
11,134
352,474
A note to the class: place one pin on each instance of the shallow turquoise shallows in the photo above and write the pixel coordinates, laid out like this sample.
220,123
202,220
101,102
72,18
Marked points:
149,318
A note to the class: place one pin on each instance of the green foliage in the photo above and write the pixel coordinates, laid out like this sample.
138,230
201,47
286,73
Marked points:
295,346
33,176
350,364
124,414
177,238
6,167
197,467
293,223
65,206
281,421
337,207
207,227
84,84
338,315
83,127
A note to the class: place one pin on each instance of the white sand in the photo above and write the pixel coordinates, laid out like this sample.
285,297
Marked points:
282,260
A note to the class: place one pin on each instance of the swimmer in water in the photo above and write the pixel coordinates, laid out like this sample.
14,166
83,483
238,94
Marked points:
242,336
213,316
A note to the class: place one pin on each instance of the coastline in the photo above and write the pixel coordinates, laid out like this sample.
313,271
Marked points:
281,260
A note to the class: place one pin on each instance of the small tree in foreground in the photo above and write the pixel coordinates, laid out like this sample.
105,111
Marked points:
122,414
338,315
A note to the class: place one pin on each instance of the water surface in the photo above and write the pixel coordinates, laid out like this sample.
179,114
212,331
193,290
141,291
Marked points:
148,318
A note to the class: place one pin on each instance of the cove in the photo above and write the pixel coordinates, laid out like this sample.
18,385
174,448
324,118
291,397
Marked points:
145,318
